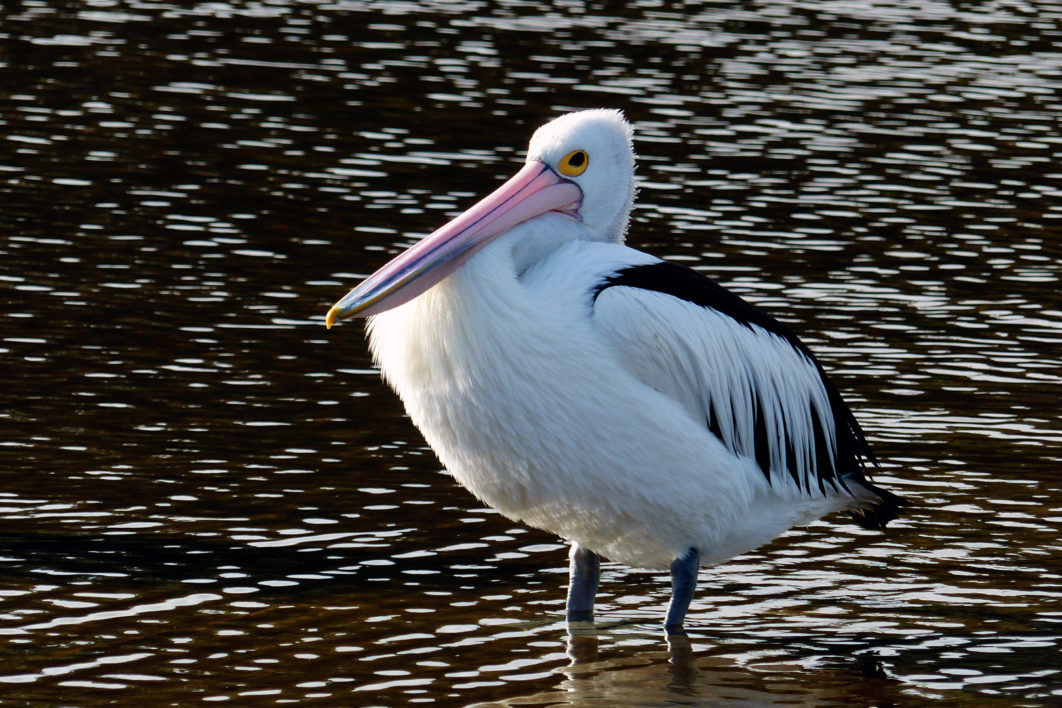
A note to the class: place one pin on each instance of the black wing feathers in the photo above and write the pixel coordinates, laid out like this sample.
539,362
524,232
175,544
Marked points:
853,451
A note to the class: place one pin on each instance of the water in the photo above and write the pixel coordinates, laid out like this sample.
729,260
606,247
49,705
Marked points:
205,496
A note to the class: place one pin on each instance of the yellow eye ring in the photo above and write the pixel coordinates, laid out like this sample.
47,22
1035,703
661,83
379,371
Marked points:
574,163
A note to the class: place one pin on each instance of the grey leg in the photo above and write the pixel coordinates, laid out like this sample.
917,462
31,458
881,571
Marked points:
683,583
584,571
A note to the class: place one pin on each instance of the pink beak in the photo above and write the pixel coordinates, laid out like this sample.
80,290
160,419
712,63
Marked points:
534,190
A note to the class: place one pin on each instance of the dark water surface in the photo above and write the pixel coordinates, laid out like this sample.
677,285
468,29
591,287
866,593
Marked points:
205,496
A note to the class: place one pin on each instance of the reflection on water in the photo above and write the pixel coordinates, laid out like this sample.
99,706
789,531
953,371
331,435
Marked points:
206,496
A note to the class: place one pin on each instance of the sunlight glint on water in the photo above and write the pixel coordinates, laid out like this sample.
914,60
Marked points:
208,497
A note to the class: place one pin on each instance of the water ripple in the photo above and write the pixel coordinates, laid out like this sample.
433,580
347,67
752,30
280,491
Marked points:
207,497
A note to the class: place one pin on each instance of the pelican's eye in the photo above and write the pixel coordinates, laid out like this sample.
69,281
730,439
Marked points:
574,163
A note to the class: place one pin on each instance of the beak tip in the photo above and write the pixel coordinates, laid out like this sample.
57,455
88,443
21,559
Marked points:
331,317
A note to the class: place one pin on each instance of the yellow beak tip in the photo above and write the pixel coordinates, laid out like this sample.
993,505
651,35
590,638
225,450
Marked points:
331,317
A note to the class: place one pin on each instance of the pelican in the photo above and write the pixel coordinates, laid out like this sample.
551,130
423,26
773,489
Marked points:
632,406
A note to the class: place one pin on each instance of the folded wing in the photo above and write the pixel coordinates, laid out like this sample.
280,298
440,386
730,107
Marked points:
752,382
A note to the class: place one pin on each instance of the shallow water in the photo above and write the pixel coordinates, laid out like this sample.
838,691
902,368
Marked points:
206,496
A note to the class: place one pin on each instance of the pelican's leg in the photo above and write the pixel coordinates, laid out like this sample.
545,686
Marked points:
583,573
683,583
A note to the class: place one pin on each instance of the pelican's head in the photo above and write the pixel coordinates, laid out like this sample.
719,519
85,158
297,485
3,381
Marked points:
593,150
580,165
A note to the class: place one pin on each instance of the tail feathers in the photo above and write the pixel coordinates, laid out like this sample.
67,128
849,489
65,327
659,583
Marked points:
878,508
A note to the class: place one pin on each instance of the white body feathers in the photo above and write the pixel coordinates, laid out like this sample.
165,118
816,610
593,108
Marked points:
588,419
